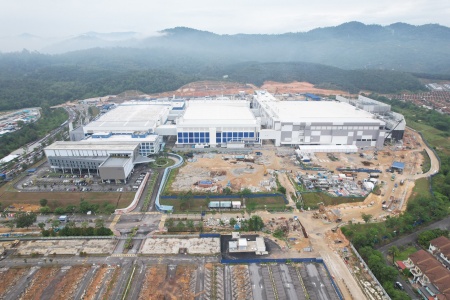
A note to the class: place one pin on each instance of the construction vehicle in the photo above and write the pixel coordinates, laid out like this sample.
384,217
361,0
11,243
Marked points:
265,170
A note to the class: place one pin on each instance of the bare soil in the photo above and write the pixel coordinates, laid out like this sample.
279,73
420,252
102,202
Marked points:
94,286
40,281
67,286
153,286
9,278
111,283
297,87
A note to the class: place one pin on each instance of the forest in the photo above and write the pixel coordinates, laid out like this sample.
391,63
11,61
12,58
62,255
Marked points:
30,78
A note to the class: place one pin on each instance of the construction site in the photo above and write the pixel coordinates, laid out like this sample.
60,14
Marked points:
168,281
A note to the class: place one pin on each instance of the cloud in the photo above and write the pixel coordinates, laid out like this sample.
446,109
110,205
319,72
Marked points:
72,17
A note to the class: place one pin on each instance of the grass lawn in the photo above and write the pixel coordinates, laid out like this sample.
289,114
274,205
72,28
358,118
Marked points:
426,162
403,255
421,189
311,199
197,205
55,199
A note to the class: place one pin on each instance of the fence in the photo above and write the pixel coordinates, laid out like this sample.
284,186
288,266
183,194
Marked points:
369,271
257,195
285,260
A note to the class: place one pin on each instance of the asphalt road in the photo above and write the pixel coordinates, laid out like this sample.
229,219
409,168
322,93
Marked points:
412,239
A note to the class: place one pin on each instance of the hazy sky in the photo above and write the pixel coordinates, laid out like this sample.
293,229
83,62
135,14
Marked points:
70,17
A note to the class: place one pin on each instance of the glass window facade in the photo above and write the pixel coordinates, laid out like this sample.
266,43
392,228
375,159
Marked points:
198,137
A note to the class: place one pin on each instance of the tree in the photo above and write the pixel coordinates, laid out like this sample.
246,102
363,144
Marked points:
255,223
180,226
282,189
366,217
233,221
43,202
169,223
246,192
44,210
190,224
393,251
84,224
227,191
56,223
99,223
41,225
59,210
10,224
25,219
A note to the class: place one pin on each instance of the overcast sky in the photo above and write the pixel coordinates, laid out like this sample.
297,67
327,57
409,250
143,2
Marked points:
71,17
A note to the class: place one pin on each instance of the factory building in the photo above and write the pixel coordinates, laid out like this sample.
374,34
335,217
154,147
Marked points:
111,160
316,123
218,123
395,122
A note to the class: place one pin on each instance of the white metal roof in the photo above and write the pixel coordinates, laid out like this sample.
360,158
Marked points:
123,138
137,117
99,144
213,113
321,111
326,148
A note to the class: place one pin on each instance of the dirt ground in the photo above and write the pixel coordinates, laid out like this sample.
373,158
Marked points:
236,174
110,283
94,286
178,286
297,87
40,281
209,88
9,278
155,278
67,286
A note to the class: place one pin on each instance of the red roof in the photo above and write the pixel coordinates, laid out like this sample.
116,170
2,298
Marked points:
400,265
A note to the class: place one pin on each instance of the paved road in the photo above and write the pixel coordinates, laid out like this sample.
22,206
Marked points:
85,282
411,239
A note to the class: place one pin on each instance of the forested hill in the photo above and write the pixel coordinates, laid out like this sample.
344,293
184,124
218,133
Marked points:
353,45
27,79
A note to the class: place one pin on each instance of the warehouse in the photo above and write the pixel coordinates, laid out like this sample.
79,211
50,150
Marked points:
111,160
316,123
218,123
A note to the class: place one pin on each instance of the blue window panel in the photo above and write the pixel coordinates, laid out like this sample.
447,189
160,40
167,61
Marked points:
218,140
180,134
234,134
202,140
196,140
217,134
185,134
240,134
246,134
207,134
207,140
191,134
230,134
191,140
202,134
196,134
251,134
180,141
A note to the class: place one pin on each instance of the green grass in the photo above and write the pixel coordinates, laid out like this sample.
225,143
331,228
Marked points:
403,255
197,205
426,166
311,199
421,189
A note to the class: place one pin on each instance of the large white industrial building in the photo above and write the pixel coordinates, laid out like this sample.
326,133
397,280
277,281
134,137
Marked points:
226,123
316,123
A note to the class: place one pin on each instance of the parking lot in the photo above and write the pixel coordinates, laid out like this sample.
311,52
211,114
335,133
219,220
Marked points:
45,180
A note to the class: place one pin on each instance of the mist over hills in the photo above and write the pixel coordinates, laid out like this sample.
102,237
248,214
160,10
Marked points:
353,45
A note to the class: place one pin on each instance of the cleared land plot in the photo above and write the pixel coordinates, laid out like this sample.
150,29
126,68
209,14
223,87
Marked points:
205,246
96,283
68,284
66,247
9,277
155,277
38,283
